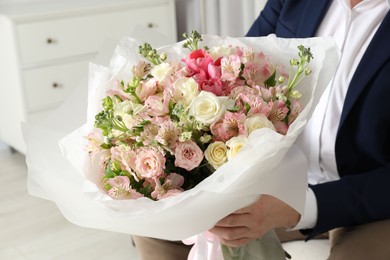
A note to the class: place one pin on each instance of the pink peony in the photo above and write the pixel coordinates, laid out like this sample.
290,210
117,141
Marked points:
188,155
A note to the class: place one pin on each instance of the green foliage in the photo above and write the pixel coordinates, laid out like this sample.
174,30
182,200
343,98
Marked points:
192,42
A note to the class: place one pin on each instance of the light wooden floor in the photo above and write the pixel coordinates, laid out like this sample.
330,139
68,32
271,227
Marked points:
34,229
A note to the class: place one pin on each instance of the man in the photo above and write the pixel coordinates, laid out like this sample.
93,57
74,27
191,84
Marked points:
347,141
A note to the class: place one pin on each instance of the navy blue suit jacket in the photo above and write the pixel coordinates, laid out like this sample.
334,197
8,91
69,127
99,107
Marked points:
363,140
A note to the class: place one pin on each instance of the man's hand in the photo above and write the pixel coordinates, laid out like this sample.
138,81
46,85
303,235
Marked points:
252,222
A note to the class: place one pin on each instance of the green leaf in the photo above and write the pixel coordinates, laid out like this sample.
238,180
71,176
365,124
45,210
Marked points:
271,81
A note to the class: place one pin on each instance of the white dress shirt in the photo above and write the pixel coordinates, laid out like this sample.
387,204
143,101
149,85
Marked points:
352,30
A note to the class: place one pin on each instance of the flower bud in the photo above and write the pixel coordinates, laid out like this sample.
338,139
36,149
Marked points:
281,79
294,62
307,71
296,94
163,56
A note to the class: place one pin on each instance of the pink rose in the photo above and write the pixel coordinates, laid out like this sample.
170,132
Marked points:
188,155
150,163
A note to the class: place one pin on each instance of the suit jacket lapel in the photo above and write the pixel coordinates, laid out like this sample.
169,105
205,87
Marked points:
375,56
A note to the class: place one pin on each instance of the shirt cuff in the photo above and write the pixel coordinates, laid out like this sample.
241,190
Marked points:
309,216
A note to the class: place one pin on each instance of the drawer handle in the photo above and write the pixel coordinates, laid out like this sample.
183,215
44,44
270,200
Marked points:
150,25
50,41
56,85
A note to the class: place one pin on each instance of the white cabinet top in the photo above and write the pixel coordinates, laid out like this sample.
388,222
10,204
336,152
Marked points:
19,10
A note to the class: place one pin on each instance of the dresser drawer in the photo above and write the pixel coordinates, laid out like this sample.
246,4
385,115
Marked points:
47,87
78,35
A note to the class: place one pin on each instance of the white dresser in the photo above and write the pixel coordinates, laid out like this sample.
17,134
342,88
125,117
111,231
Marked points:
45,48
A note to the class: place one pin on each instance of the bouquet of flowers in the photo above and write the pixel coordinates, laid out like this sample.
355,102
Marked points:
179,137
173,123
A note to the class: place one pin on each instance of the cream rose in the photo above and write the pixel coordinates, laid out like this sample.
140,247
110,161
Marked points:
256,122
185,90
216,154
235,144
207,108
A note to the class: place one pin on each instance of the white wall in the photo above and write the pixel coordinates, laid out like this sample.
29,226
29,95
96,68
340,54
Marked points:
220,17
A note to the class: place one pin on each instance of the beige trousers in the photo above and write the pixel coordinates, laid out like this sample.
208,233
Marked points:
368,241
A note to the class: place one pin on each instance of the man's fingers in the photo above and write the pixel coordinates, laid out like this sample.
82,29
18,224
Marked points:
230,234
234,220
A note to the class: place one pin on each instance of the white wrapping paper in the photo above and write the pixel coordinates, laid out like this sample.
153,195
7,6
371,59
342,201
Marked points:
270,164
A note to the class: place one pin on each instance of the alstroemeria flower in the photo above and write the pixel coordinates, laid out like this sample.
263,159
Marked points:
231,124
168,134
231,67
170,187
120,188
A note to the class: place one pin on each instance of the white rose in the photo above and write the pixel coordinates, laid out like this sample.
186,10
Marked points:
207,108
256,122
161,71
222,51
235,144
216,154
185,90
